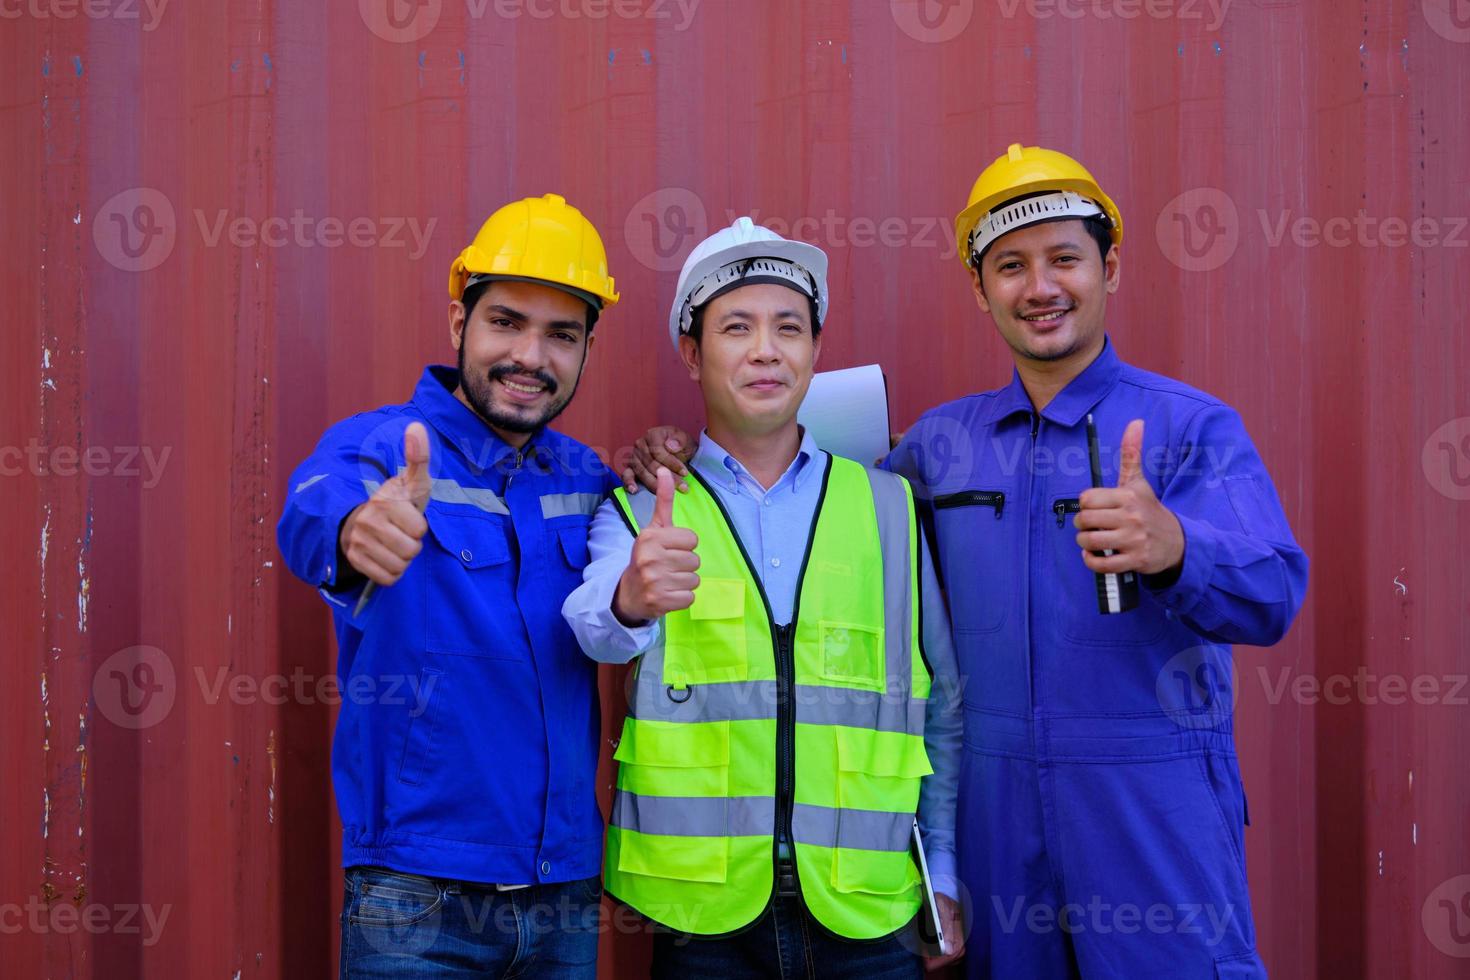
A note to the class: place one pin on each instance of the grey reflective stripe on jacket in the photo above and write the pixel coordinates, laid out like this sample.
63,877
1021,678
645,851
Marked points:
452,492
566,504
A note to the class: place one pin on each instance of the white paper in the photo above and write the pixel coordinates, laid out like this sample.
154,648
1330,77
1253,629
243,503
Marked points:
847,412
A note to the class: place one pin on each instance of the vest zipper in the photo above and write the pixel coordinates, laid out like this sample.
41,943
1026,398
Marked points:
785,756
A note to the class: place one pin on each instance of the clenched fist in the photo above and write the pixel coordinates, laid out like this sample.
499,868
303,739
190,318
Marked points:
379,538
660,577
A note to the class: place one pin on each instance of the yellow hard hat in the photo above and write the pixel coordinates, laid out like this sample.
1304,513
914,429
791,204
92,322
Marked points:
541,239
1030,170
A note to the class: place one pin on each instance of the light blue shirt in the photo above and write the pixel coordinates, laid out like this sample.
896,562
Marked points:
774,526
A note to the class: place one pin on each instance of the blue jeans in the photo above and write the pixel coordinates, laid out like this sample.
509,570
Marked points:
407,927
785,943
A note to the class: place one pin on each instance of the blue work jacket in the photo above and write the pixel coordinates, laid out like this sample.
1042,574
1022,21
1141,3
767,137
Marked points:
467,742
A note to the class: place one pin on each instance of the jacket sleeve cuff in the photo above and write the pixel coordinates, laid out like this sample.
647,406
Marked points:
1194,574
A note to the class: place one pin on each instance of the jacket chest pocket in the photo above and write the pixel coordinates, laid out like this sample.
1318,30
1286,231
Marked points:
1080,619
973,528
469,605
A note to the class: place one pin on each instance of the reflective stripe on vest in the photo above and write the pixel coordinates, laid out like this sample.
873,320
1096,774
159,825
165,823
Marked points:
691,838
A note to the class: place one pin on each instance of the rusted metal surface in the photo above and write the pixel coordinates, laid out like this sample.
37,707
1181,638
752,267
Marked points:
227,225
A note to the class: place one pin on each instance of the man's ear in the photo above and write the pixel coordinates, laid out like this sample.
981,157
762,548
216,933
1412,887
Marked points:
689,354
1113,268
456,323
978,288
816,349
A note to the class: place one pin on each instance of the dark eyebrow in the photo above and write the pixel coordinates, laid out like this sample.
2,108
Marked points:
507,312
519,317
1059,247
789,314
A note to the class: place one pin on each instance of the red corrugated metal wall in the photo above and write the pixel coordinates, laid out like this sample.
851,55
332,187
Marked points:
1293,181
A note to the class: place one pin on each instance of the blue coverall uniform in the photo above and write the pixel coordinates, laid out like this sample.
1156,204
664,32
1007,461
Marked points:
467,743
1101,814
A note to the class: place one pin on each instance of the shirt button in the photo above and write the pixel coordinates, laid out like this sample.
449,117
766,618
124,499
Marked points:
546,867
465,554
775,563
767,501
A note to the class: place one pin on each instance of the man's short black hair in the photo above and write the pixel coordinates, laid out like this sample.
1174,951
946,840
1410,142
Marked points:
696,322
472,295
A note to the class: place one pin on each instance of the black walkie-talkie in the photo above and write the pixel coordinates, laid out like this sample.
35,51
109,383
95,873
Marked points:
1117,592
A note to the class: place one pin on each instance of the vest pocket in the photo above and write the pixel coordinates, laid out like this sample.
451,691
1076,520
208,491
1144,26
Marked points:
662,763
878,775
852,654
715,647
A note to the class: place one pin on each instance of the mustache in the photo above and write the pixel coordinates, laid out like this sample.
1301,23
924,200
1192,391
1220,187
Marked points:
501,371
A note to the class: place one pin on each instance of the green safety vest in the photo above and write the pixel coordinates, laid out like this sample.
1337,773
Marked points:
691,842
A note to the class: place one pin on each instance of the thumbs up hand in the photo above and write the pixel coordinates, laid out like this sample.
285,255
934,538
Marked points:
1143,535
660,577
379,538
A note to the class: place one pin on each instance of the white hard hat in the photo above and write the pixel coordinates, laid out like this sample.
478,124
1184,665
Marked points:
746,253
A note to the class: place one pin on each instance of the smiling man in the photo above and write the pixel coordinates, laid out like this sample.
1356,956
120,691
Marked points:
1101,808
471,834
795,703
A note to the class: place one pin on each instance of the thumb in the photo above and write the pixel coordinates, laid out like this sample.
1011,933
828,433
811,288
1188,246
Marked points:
1130,454
663,501
416,454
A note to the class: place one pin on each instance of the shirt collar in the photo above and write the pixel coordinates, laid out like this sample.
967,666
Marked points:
1074,401
458,425
1087,389
711,457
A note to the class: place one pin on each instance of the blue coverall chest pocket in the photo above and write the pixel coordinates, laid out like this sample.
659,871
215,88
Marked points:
467,558
1081,622
974,526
